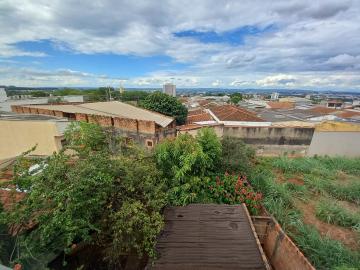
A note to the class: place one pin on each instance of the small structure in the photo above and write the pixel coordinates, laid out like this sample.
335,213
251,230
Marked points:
209,236
274,96
335,104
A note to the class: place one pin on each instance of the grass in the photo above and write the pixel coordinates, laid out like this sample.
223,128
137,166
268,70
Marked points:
324,252
332,212
320,180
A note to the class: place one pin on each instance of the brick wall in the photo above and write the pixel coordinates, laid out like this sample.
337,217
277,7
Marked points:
146,126
104,121
26,110
81,117
126,124
34,111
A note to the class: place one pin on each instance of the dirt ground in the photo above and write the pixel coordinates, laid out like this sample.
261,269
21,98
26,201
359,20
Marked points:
348,237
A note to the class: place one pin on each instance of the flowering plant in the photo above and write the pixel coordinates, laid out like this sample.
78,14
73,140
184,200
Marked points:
234,189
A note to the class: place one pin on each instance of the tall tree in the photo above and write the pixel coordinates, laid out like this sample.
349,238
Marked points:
165,104
235,98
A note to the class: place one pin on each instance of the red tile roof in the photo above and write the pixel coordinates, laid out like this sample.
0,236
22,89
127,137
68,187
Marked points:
347,114
189,127
281,105
322,110
205,116
234,113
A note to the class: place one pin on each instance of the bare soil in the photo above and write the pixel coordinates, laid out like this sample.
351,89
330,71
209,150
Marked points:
348,237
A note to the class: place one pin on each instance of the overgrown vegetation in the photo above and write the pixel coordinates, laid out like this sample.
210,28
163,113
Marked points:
89,197
95,195
321,178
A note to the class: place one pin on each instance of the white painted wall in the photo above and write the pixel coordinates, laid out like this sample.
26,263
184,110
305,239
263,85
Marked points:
335,144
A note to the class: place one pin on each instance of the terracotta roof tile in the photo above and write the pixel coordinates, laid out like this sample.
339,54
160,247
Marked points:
281,105
204,116
233,113
347,114
322,110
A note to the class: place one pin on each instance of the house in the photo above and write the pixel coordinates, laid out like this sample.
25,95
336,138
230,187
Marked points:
144,126
335,104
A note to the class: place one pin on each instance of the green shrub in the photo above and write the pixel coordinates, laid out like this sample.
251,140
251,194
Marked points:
236,155
233,189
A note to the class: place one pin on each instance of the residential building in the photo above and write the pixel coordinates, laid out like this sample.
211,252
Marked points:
144,126
170,89
335,104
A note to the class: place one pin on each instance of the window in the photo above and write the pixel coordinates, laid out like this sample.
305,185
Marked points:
149,143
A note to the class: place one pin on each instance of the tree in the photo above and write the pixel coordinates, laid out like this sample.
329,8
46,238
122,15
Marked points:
235,98
165,104
85,195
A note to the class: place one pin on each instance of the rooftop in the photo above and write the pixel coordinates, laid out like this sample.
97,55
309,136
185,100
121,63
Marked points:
29,117
208,236
233,113
281,105
111,108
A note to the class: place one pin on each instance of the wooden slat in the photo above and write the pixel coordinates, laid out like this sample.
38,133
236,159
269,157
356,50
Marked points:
207,236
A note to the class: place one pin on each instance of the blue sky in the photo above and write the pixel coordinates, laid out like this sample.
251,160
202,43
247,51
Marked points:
199,43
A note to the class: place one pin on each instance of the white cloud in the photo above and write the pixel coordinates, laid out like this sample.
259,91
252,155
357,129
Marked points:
307,38
216,83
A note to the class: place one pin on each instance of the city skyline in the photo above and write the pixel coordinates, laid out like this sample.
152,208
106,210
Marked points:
232,44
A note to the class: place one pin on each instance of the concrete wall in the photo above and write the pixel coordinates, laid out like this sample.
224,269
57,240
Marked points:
271,135
337,143
17,137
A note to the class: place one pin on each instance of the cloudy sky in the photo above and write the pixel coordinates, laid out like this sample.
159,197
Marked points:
311,44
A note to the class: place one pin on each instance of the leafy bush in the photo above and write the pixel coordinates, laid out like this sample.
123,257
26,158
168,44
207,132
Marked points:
236,155
233,189
211,146
97,199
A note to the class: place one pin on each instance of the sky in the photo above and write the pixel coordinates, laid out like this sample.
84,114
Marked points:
290,44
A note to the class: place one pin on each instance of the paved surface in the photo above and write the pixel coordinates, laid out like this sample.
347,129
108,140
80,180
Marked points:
207,236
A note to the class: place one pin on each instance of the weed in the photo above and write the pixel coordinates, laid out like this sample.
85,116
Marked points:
332,212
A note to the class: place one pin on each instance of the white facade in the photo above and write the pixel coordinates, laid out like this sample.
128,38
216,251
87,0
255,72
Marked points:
170,89
275,96
3,96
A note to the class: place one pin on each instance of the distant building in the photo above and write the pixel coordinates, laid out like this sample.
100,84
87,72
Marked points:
170,89
335,104
3,96
274,96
